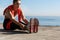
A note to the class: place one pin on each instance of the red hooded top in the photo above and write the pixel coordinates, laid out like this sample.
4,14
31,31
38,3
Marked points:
19,12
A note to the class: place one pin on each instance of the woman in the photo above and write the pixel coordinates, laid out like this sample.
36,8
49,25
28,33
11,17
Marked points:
9,17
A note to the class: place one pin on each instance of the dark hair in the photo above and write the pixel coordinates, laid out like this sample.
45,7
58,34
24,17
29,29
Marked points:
15,1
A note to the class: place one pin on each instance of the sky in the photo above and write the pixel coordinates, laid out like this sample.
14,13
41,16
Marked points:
35,7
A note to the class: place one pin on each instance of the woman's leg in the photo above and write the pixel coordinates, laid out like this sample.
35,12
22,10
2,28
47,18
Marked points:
14,26
5,23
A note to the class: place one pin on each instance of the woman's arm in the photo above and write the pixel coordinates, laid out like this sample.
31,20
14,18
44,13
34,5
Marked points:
24,19
11,17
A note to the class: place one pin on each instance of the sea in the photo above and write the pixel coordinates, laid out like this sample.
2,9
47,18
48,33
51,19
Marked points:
43,20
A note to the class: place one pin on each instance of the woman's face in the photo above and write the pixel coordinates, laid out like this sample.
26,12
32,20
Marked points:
16,5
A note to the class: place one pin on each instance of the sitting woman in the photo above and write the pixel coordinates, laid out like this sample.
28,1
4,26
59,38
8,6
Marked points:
9,17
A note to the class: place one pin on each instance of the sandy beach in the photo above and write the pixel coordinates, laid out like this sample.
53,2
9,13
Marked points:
44,33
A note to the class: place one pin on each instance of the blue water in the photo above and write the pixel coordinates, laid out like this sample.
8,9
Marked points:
43,20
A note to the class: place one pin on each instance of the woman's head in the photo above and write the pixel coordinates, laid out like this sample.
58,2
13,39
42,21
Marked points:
16,3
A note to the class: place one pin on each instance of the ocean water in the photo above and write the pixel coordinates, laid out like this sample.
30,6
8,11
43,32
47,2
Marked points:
43,20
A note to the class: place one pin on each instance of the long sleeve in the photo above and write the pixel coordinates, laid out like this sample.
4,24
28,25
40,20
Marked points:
19,15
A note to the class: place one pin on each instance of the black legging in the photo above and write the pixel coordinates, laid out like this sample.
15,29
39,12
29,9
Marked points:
13,26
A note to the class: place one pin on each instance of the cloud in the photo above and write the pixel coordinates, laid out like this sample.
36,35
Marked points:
28,11
1,11
25,10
